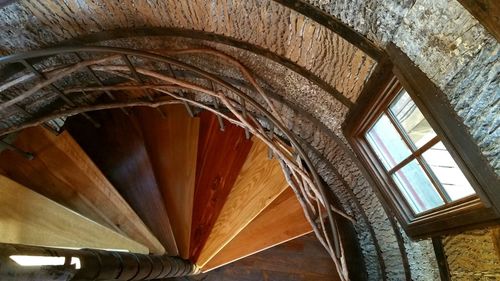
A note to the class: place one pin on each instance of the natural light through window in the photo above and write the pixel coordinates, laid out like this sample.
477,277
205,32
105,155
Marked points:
414,157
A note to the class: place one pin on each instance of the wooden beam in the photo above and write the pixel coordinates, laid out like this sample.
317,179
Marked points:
282,221
260,182
378,80
62,172
221,156
31,219
172,145
118,149
487,12
444,270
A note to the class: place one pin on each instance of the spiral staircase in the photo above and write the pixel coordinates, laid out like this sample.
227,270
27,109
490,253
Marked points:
108,149
152,181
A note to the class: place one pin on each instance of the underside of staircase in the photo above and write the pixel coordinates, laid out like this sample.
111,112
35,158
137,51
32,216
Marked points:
249,140
164,168
152,181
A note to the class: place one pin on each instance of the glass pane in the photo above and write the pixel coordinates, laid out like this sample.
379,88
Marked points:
411,119
387,143
447,171
417,188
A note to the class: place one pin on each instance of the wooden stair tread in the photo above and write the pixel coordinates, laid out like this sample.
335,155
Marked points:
172,145
220,158
62,172
282,221
117,148
259,183
32,219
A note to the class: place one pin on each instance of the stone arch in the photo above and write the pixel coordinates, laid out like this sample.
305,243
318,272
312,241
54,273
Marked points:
240,24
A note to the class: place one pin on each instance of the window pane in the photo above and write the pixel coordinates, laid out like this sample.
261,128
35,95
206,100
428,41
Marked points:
417,188
387,143
447,171
411,119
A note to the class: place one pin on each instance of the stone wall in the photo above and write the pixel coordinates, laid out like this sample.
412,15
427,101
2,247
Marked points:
447,43
474,255
463,59
33,24
375,19
438,35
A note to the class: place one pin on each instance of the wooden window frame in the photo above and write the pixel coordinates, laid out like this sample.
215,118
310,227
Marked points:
390,77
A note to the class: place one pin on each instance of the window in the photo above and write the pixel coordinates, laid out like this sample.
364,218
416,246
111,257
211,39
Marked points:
415,159
413,150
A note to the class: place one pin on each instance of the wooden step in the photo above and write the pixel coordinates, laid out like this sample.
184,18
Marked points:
172,145
117,148
300,259
32,219
259,183
282,221
62,172
220,158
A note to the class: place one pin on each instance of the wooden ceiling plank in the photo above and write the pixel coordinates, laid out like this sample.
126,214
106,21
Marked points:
259,183
221,156
31,219
282,221
118,149
62,172
172,145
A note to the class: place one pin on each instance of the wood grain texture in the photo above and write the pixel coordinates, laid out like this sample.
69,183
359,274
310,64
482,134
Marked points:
62,172
117,148
220,158
301,259
281,221
260,182
172,145
29,218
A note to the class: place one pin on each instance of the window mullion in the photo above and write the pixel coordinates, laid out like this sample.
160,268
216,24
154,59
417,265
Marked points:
437,184
428,171
400,131
415,154
401,164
